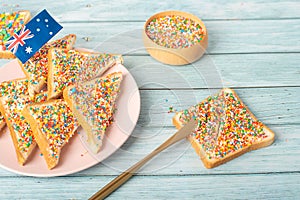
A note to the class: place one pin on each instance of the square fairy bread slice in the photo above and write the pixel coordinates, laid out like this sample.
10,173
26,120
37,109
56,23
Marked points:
53,124
67,67
226,128
36,68
93,104
10,23
14,96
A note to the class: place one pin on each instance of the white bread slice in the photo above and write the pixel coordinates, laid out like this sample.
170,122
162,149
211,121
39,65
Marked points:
36,68
9,24
14,97
14,87
53,124
20,130
41,97
93,104
67,67
226,128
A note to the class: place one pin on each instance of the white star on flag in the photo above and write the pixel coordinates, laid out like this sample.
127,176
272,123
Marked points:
28,50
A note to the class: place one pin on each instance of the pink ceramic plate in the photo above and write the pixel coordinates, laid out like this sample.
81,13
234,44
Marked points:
75,156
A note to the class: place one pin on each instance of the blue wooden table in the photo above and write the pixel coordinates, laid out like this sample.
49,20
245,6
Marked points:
254,47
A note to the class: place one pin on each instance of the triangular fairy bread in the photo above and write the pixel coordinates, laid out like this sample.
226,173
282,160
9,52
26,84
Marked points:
93,104
53,124
8,88
67,67
11,23
14,97
226,128
36,68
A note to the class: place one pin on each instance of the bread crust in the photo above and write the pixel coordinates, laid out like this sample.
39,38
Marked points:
82,121
8,54
52,94
22,158
2,125
34,89
80,118
211,163
40,137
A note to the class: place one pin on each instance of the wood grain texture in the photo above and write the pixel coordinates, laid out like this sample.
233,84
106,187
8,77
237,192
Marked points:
224,36
253,46
93,10
240,186
215,71
270,105
155,126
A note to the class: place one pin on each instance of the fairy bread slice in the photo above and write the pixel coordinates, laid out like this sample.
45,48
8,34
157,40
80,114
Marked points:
67,67
14,96
7,88
226,128
36,68
10,23
53,124
93,104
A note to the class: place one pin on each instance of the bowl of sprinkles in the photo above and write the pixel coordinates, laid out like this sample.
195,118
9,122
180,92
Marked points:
175,37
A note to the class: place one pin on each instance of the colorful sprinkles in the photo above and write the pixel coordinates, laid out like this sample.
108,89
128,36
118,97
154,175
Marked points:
57,122
224,125
15,97
96,102
69,66
36,68
175,32
14,88
172,110
10,23
13,107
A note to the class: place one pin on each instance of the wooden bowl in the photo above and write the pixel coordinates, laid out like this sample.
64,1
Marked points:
176,56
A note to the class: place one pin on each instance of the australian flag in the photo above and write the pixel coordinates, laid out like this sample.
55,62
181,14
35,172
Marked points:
33,36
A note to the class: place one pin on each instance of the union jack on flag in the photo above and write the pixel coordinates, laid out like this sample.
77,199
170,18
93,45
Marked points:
19,39
27,41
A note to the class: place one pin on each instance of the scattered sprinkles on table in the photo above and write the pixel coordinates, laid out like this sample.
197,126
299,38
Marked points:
69,66
96,101
175,32
224,125
57,122
39,72
10,23
172,110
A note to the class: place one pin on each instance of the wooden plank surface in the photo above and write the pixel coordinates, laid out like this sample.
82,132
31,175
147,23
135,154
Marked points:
240,186
225,37
281,113
93,10
216,71
254,47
